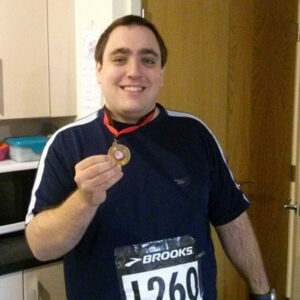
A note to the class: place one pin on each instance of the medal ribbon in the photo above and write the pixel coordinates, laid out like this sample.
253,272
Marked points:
108,123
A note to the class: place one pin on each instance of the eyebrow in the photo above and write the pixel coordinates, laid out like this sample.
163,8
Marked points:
128,51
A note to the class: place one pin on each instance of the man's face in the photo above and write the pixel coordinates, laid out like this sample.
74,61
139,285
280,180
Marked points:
131,74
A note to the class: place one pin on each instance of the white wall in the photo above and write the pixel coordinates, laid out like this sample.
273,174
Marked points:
124,7
91,20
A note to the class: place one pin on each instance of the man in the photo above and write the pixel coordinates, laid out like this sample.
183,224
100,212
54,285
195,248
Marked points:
134,173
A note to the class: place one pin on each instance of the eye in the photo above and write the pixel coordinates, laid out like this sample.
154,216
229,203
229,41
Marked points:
119,60
149,61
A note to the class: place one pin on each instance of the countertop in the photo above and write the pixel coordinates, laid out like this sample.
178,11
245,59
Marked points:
15,254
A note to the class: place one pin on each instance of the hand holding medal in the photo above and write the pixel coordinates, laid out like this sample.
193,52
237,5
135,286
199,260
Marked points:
94,175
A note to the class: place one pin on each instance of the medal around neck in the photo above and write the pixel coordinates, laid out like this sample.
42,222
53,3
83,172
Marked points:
120,153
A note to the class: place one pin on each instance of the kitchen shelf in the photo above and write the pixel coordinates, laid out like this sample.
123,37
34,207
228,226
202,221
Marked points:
9,165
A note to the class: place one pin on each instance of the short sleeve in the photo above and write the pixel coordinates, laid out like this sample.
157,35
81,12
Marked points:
226,201
54,180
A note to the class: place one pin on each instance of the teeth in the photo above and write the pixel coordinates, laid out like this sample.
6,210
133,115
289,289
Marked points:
133,88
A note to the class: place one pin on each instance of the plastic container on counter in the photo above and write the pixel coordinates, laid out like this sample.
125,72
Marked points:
26,148
3,150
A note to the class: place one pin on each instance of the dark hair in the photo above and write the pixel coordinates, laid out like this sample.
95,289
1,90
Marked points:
127,21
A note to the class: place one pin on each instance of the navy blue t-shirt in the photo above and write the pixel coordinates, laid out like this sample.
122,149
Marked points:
176,183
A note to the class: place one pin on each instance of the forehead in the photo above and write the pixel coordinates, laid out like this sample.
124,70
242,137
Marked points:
132,37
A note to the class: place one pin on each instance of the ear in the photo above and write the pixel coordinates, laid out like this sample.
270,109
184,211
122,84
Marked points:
98,72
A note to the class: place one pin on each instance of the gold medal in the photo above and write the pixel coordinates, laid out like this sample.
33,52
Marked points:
120,153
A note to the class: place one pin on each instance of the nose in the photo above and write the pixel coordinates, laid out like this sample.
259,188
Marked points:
134,68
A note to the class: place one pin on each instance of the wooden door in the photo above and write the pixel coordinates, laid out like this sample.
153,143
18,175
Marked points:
272,97
293,276
24,80
293,291
196,80
259,137
232,64
295,288
196,34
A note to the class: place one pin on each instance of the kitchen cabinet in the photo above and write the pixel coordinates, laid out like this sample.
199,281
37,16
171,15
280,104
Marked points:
42,63
45,282
62,61
37,59
24,79
11,286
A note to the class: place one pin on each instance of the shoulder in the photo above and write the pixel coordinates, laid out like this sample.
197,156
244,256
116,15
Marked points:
78,125
183,116
197,131
189,122
69,134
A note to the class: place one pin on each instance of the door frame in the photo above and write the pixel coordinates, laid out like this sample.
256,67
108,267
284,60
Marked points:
292,289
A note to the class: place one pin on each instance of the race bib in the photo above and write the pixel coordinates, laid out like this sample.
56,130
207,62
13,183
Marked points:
160,270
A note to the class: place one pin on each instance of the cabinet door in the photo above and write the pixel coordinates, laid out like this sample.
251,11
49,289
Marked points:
11,286
24,80
61,29
46,282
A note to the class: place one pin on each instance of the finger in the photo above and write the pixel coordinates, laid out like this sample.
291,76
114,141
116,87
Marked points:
98,195
111,181
93,170
89,183
91,160
97,169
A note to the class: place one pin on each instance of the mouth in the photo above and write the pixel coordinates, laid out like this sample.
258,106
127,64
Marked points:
132,88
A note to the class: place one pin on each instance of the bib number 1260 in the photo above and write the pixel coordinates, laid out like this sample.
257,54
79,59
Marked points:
180,282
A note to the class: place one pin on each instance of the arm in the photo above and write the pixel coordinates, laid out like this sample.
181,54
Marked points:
240,245
56,231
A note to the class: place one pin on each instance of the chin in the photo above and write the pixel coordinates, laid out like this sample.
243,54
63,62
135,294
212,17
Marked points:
133,115
135,110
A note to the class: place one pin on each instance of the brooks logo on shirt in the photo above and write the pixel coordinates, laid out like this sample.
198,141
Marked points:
161,256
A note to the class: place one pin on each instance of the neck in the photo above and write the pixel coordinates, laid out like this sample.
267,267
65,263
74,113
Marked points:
109,123
131,120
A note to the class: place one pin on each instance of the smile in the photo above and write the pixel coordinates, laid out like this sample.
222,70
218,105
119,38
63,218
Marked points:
131,88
